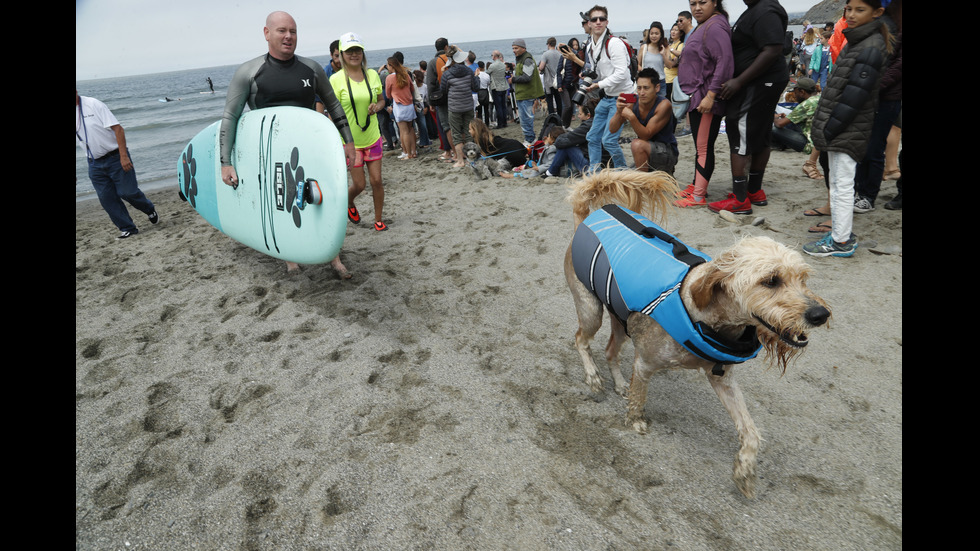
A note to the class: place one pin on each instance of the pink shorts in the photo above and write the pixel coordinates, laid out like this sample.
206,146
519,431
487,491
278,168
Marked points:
367,154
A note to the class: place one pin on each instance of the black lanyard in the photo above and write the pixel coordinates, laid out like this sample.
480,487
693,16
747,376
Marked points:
350,94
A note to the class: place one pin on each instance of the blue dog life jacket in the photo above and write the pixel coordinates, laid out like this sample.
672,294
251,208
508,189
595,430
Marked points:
633,265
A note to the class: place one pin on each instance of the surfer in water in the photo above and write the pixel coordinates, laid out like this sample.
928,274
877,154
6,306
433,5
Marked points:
286,82
210,85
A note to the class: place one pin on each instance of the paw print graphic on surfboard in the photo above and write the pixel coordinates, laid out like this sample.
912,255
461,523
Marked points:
291,198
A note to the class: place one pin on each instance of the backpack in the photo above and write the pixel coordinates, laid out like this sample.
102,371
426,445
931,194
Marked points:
534,152
549,122
630,53
435,95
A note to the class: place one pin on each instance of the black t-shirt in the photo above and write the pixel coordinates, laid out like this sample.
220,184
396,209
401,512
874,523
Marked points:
761,25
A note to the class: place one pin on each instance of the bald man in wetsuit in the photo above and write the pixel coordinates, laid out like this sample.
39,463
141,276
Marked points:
279,78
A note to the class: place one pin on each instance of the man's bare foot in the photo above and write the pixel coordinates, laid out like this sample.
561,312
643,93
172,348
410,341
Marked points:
341,269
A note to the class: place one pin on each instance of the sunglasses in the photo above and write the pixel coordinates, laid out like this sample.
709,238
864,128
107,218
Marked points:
597,19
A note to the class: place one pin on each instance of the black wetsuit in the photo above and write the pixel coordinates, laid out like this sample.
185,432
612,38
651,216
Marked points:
268,82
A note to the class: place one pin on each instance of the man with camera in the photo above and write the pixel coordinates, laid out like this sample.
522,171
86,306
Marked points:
608,58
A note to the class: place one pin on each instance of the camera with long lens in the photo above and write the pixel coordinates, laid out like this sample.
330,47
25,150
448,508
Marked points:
580,95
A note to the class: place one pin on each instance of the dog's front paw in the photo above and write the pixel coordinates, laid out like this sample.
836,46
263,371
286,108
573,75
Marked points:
639,425
622,389
594,382
743,473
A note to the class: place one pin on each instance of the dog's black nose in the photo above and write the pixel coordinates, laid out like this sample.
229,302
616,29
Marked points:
817,315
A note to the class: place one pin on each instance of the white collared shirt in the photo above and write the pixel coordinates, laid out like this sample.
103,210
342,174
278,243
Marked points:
613,69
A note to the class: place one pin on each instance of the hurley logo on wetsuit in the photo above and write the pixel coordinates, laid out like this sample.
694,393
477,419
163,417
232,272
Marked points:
306,83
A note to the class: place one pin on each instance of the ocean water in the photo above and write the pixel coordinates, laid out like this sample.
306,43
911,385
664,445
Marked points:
157,132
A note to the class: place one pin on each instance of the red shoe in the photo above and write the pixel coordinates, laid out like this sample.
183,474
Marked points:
353,215
691,201
686,192
731,204
380,226
758,198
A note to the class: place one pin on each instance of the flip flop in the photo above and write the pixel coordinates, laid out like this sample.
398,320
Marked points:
815,212
822,227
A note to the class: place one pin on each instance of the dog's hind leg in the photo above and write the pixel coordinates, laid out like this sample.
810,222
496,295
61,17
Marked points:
636,398
743,471
589,321
616,339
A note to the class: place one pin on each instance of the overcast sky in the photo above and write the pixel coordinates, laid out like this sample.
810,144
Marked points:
132,37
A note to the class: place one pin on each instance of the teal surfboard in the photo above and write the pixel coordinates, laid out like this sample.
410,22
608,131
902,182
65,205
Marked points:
279,151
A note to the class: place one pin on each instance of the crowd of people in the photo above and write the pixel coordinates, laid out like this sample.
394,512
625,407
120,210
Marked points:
682,79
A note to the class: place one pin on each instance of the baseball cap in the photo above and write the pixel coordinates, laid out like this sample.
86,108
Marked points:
806,84
351,40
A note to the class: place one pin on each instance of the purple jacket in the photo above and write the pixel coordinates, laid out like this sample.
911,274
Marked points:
707,61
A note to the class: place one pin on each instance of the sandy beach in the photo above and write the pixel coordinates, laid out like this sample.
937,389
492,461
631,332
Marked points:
436,400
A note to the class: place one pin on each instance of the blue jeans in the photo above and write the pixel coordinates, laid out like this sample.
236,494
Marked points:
526,109
571,155
600,136
500,105
423,129
113,185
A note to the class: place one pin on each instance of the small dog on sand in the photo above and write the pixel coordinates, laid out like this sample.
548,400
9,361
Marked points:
484,167
756,288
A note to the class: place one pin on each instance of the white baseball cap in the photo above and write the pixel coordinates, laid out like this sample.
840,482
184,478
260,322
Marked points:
351,40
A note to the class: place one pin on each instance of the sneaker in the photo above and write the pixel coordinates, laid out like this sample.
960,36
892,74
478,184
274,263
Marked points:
380,226
691,201
862,205
127,233
683,132
758,198
353,215
687,191
731,204
828,247
154,217
895,204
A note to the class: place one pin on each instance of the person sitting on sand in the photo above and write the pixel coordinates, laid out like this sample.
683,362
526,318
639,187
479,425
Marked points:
498,146
547,156
572,147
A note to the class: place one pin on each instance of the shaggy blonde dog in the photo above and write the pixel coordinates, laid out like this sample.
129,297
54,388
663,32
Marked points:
758,283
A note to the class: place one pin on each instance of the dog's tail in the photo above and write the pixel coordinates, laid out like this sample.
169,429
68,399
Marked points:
648,193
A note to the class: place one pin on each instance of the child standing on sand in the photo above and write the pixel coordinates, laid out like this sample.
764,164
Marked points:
845,114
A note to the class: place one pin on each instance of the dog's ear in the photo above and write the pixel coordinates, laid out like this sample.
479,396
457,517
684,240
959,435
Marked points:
703,288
